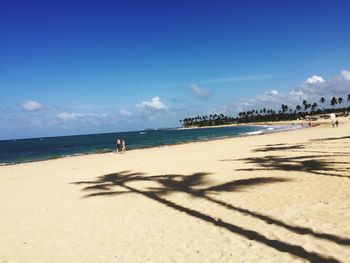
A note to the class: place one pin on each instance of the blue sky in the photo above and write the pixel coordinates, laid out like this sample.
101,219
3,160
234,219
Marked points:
77,67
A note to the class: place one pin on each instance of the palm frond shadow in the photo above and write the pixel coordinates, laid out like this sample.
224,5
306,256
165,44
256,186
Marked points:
314,164
303,148
331,139
197,186
279,147
318,162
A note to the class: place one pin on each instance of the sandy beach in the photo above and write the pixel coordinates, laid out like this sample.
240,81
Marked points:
281,197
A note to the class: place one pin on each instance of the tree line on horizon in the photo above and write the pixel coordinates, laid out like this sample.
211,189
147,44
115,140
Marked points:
267,115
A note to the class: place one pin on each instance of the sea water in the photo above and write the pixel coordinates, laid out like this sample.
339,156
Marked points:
28,150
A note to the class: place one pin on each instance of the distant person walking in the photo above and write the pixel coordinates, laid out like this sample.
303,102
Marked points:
336,122
118,145
333,119
123,146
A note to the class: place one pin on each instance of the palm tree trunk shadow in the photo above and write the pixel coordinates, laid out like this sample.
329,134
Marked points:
250,234
271,220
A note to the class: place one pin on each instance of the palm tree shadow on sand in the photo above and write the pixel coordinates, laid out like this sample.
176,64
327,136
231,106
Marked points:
197,186
317,162
321,165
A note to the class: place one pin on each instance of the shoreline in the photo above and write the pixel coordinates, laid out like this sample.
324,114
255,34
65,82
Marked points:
272,123
177,143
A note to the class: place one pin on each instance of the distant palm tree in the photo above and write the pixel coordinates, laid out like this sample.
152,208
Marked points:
284,108
348,97
298,108
308,106
334,101
314,107
305,104
340,100
322,100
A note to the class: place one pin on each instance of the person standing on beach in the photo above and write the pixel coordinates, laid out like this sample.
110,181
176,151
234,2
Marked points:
333,118
118,145
122,146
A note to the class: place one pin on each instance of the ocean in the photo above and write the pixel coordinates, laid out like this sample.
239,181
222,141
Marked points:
29,150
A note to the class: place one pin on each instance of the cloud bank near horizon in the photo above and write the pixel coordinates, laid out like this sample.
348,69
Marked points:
32,116
311,90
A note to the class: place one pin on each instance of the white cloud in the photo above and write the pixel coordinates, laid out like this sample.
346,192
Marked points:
199,92
274,92
223,80
67,116
29,105
153,105
125,113
345,74
236,79
73,116
314,79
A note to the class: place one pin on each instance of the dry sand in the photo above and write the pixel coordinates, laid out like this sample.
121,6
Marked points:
282,197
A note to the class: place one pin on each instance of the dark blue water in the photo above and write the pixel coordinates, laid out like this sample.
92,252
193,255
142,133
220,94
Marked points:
27,150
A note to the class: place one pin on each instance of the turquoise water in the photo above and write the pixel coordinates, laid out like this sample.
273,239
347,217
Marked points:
27,150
